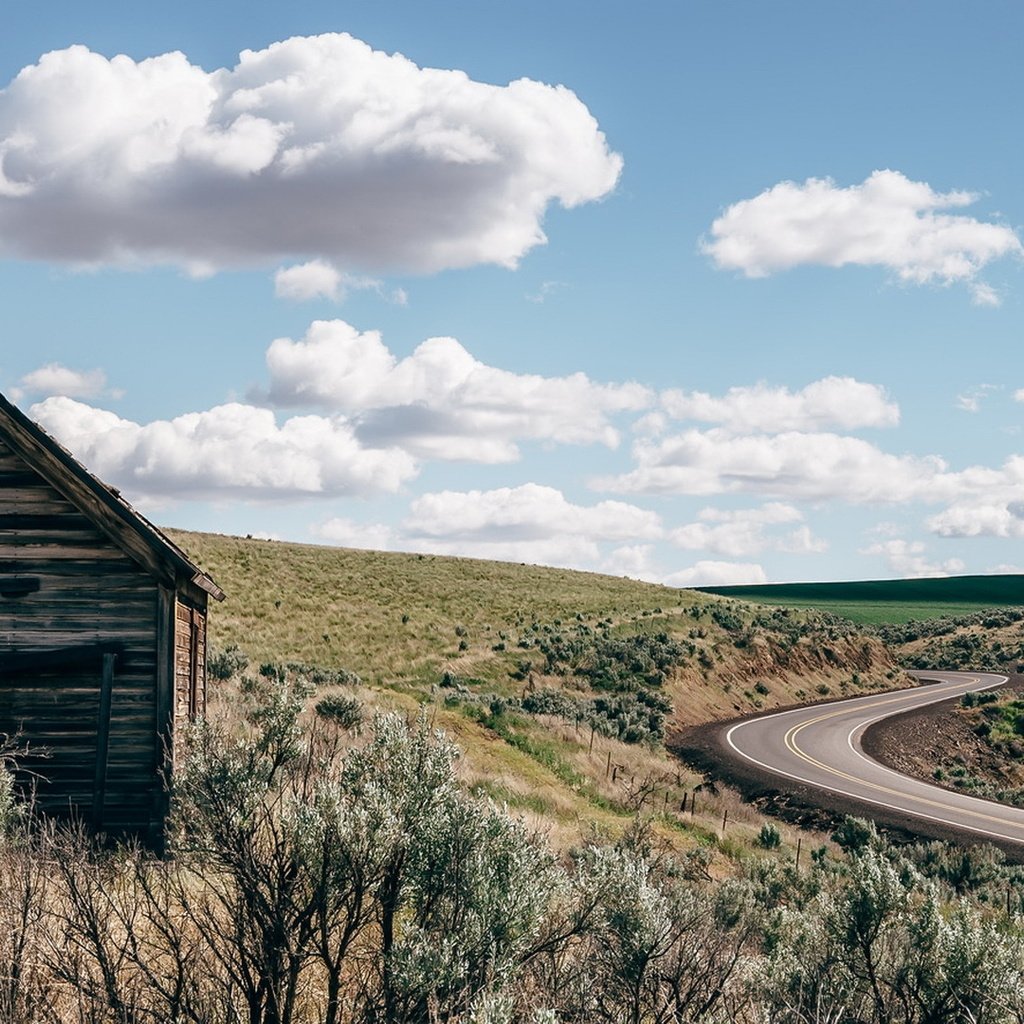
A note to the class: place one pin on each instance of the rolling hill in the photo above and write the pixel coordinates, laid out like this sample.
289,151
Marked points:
562,688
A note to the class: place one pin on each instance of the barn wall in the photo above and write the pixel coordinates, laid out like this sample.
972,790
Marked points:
189,663
89,593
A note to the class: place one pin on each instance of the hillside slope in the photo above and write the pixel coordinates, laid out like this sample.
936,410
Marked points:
559,686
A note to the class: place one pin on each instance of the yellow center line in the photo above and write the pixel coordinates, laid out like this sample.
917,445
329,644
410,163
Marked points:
791,745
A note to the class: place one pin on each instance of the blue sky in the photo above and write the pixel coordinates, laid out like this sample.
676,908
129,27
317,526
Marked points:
740,301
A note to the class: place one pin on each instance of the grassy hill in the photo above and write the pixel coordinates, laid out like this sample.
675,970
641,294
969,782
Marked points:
888,601
562,688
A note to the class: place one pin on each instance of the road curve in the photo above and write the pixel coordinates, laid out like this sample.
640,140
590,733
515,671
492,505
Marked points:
820,746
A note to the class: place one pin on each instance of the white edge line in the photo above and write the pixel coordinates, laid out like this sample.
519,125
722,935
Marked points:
859,797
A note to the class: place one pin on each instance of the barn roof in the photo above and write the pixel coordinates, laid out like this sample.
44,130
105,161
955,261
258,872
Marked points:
126,527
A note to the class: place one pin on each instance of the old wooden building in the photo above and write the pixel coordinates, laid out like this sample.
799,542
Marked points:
102,637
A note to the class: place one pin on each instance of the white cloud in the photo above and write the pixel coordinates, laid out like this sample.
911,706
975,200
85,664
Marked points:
886,221
745,532
830,402
546,289
316,279
347,533
981,519
440,402
907,559
525,513
229,451
651,424
717,574
529,523
315,147
55,379
820,467
633,560
984,502
791,465
536,524
1018,395
971,399
983,294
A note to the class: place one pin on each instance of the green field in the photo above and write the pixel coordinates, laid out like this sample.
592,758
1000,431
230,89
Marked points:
889,601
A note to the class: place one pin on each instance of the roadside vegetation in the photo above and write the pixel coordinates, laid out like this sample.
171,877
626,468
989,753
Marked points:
562,689
980,747
322,873
990,640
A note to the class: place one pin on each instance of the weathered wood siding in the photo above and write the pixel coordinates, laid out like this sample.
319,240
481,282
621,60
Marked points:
189,664
89,594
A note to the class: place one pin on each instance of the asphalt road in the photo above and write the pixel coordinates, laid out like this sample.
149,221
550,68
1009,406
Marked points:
820,746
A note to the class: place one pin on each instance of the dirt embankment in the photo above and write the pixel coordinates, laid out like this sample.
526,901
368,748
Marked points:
941,737
768,673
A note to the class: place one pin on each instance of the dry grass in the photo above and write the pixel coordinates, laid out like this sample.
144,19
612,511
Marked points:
401,620
393,616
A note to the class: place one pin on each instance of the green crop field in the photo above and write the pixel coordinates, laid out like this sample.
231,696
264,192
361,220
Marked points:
880,602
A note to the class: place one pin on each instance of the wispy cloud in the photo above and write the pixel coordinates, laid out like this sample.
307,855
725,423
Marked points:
317,279
971,399
909,559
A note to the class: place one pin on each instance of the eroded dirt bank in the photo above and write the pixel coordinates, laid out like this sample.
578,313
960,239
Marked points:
917,742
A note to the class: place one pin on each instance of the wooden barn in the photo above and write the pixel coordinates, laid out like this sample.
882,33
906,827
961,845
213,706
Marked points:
102,638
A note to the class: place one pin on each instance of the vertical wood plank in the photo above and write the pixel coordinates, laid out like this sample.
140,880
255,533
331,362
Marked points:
193,682
99,783
164,701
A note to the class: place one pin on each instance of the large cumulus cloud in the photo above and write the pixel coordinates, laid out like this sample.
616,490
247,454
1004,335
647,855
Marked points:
313,147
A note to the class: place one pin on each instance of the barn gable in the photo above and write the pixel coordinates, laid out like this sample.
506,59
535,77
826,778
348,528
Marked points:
102,637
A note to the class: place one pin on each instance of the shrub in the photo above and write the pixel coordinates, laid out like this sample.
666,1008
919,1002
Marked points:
854,835
769,838
223,664
346,711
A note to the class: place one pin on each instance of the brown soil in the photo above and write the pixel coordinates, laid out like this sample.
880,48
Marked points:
940,736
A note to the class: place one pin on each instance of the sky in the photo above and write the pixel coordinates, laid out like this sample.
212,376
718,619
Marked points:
698,293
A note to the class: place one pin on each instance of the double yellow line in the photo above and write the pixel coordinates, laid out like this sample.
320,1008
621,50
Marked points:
790,741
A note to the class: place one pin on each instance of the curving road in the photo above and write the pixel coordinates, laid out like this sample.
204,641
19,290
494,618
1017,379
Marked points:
820,747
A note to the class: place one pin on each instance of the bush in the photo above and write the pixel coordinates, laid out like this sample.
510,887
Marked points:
854,835
346,711
223,664
769,838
